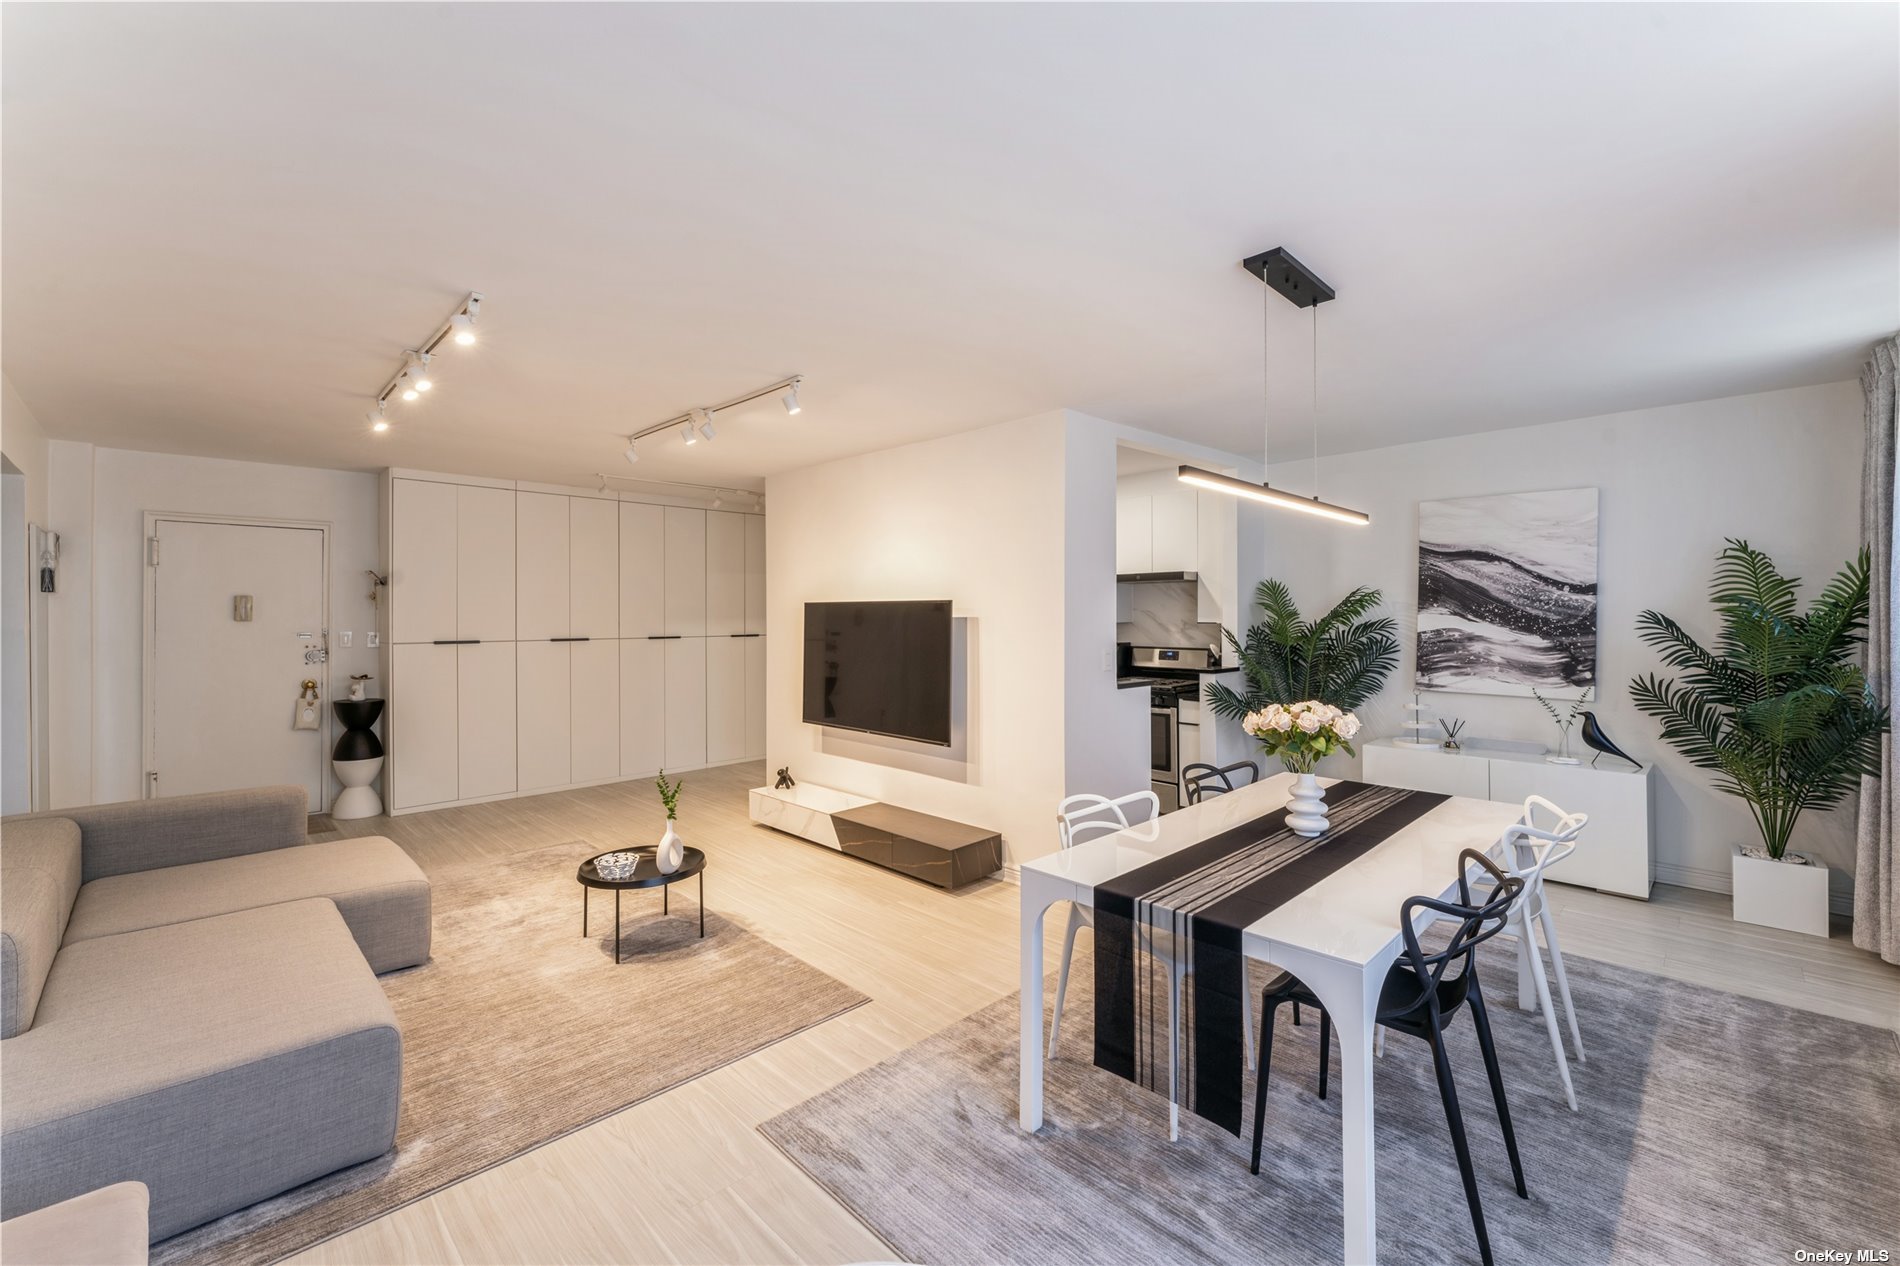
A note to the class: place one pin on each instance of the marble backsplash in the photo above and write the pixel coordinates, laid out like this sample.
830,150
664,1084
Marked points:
1161,613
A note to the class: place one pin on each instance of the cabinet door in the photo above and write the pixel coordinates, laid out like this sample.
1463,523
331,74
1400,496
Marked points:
593,567
422,725
543,718
541,566
1177,531
725,573
685,572
485,718
754,698
422,561
755,573
594,692
1134,533
485,568
725,698
642,570
642,706
1613,853
1428,769
685,703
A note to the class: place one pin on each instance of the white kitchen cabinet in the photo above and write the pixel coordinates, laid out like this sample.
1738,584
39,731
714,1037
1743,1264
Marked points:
484,566
594,711
1176,520
685,673
422,565
543,530
593,568
484,718
754,698
685,584
755,573
422,725
642,706
544,712
725,573
642,570
725,699
1134,533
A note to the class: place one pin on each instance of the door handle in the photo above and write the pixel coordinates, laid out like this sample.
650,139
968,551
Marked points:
457,641
663,637
745,635
570,639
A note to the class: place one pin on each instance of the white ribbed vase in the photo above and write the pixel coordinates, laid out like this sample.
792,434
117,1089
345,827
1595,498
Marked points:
670,851
1306,811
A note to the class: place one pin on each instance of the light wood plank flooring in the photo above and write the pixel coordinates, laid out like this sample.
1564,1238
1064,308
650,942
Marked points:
685,1177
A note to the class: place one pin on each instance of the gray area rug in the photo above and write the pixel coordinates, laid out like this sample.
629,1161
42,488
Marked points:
1714,1128
519,1030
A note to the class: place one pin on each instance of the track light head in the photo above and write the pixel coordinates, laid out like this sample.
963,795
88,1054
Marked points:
462,324
790,399
377,422
633,453
717,502
409,391
704,421
688,434
418,372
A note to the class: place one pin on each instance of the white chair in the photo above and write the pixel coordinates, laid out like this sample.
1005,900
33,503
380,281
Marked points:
1087,816
1530,847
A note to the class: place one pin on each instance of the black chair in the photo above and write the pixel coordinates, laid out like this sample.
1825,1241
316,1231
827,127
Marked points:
1418,997
1199,779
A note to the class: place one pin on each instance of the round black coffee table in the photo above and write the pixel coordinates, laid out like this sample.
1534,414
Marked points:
645,875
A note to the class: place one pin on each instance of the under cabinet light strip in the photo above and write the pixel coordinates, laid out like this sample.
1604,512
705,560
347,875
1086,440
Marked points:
1269,496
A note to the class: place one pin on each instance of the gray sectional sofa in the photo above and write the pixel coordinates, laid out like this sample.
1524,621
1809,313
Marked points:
188,999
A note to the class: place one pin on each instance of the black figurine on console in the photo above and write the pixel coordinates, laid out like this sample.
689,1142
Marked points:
1593,736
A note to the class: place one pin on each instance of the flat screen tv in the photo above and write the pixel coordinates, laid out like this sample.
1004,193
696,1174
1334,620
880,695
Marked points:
879,668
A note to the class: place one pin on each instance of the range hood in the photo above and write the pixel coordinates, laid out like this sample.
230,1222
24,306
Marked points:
1155,577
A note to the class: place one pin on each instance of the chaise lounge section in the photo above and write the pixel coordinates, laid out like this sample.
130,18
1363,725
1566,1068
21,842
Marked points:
188,999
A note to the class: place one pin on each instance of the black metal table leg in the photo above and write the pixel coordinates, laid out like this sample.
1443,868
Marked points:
702,905
583,909
616,926
665,899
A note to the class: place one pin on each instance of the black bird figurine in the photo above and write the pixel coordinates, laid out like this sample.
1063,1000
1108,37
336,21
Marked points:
1593,736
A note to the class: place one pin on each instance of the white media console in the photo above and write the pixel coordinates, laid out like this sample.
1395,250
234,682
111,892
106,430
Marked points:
1614,853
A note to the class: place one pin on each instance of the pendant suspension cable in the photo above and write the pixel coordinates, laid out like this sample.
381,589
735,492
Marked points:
1315,312
1266,386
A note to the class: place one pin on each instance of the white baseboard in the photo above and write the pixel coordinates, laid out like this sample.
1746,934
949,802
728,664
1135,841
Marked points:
1839,900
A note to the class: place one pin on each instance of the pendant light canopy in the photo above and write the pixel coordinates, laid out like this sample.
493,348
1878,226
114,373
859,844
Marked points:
1301,287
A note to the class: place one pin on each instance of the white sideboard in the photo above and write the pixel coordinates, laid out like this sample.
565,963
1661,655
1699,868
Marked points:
543,638
1614,854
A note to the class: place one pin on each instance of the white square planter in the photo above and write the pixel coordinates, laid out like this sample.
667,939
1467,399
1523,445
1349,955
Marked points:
1781,894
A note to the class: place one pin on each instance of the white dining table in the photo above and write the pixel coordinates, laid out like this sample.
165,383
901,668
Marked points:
1339,937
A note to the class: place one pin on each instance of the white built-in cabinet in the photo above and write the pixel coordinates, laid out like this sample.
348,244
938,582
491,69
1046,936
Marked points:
541,639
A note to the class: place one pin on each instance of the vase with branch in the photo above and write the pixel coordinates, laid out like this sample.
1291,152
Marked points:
671,850
1565,718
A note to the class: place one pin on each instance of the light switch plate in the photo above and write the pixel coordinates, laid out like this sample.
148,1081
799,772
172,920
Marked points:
344,637
375,639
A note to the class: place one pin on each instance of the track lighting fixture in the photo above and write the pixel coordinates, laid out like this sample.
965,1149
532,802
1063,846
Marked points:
790,398
377,422
633,453
414,377
703,420
697,424
688,434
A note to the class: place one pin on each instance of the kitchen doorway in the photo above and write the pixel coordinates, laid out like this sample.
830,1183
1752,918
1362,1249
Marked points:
236,620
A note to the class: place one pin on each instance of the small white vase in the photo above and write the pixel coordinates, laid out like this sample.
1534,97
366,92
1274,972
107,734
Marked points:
1306,811
669,852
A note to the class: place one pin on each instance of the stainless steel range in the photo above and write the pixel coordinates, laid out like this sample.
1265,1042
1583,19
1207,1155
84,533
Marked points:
1173,677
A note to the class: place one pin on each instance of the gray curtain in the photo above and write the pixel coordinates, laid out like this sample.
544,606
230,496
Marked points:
1877,863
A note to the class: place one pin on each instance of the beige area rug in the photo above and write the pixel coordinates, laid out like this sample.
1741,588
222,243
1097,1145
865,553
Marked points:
519,1030
1713,1129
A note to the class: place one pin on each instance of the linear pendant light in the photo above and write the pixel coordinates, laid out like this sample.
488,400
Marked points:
1300,286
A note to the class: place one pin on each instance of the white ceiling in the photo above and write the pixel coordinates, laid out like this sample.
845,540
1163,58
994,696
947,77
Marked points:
223,222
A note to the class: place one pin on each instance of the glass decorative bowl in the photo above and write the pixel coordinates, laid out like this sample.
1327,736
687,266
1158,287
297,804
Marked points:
616,865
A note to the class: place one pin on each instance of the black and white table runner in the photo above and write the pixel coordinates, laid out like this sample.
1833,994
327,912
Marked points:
1194,903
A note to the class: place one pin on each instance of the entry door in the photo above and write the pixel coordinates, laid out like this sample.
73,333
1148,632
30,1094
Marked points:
225,688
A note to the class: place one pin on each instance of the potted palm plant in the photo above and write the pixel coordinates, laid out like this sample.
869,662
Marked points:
1778,710
1341,659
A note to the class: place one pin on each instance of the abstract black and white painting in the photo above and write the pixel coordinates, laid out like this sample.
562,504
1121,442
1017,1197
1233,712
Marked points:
1507,593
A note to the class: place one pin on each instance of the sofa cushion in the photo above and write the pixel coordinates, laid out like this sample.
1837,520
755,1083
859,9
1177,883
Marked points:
382,894
39,878
174,830
101,1228
218,1062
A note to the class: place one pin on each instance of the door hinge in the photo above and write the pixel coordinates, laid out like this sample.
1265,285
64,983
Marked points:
152,543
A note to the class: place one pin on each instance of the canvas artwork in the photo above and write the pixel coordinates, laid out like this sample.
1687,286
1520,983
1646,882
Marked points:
1507,593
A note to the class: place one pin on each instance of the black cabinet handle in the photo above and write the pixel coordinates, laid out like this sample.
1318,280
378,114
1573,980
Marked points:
457,641
663,637
745,635
570,639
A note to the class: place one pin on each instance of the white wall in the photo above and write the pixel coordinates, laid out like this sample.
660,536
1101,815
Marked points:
24,443
1780,469
102,495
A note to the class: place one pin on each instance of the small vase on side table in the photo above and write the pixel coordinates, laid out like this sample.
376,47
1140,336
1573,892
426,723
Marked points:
669,851
1306,810
358,758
